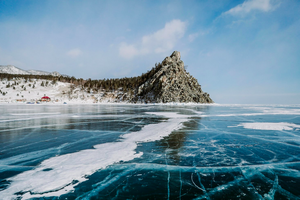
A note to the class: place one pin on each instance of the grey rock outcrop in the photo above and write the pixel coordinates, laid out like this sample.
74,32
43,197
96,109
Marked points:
171,83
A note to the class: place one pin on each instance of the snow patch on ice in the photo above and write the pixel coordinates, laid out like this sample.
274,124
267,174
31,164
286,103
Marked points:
258,112
67,171
157,131
269,126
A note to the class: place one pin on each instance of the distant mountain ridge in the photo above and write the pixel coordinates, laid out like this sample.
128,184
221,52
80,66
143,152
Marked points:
11,69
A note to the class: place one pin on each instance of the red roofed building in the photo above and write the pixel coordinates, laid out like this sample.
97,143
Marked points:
46,98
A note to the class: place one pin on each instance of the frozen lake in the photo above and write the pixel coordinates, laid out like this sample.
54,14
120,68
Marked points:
149,152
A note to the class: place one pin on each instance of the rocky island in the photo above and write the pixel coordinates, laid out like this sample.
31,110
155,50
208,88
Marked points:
167,82
171,83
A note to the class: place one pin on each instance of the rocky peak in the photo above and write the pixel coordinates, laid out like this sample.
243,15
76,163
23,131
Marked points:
171,83
175,56
174,59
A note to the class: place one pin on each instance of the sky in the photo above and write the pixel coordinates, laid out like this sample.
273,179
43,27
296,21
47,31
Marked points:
241,52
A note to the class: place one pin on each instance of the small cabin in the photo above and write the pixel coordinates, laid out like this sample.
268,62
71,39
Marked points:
46,98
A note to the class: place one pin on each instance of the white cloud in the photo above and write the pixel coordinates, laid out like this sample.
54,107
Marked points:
250,5
193,36
127,51
161,41
74,52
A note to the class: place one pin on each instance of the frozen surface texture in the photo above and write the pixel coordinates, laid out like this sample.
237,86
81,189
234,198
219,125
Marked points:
149,152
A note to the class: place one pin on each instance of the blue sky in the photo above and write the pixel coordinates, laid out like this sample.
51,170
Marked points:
243,51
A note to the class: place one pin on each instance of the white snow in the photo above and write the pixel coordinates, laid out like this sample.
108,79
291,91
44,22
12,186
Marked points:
20,90
258,111
10,69
76,166
270,126
157,132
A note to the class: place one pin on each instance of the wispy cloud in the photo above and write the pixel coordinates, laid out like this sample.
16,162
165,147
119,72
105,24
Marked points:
250,5
161,41
193,36
74,52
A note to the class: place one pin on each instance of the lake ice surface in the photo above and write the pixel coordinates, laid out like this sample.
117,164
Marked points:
149,152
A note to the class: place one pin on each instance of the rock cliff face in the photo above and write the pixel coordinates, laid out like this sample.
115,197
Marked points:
171,83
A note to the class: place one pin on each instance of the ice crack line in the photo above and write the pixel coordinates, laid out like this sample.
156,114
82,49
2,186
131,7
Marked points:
79,165
195,184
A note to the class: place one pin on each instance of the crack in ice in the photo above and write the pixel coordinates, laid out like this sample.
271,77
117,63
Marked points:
77,166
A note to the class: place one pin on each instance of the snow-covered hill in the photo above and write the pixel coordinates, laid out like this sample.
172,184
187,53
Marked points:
167,82
10,69
21,90
38,72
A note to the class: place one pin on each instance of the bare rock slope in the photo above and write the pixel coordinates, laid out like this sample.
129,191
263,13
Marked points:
171,83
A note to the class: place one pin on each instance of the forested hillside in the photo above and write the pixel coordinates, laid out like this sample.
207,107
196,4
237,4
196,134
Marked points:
165,82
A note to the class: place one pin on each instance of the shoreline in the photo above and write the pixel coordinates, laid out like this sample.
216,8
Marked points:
102,103
142,104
